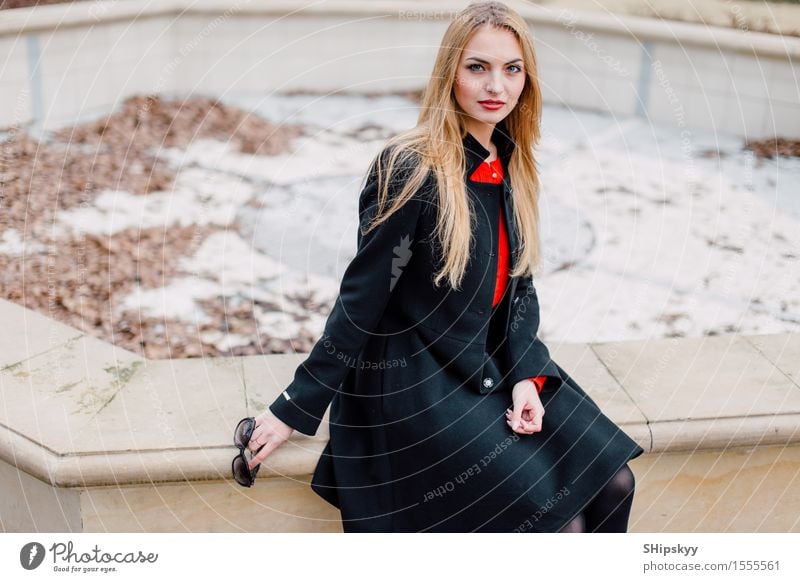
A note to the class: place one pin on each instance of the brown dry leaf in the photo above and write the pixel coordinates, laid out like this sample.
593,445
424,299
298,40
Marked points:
771,147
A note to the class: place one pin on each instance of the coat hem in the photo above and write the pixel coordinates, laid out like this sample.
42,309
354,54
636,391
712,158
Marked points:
591,497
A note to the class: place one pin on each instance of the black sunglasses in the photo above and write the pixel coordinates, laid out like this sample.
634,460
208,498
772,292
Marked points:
243,475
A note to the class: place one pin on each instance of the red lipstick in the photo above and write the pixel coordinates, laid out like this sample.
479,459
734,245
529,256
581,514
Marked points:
491,104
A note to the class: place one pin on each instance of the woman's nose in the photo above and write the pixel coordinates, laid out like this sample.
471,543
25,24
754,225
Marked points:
493,85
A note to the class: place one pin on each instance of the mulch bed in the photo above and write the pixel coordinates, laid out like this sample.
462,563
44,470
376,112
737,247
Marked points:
79,281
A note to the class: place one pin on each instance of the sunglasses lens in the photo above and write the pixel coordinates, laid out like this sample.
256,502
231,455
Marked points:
241,473
241,436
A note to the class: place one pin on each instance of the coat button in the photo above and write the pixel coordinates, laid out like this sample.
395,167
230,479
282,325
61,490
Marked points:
488,382
481,311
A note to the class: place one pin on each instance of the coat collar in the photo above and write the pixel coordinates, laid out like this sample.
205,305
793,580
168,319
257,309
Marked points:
475,153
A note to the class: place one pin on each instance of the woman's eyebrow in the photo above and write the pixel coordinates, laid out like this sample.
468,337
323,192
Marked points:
487,62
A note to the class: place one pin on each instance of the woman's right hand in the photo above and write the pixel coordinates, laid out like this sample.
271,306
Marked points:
271,432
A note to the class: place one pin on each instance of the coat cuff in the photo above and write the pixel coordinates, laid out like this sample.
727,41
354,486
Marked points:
534,362
539,381
290,413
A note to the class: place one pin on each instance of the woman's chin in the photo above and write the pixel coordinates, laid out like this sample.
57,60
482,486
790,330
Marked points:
490,117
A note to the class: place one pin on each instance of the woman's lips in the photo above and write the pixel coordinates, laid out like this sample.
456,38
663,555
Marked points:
491,105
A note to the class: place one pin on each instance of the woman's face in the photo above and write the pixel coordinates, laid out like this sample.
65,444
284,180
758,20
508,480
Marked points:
491,69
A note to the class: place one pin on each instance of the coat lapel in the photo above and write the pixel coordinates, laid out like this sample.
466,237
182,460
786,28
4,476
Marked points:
475,154
511,229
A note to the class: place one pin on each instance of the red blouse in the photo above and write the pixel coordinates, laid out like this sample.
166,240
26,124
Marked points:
492,172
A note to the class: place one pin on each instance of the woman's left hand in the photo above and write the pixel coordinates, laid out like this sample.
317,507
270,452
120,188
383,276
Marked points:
527,413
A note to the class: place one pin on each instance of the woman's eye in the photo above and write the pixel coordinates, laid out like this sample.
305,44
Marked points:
512,68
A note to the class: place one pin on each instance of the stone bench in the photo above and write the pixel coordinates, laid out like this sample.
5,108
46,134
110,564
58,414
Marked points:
95,438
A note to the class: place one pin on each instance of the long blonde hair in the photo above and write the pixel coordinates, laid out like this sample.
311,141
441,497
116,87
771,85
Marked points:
436,145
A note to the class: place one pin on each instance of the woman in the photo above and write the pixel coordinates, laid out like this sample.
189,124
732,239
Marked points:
447,412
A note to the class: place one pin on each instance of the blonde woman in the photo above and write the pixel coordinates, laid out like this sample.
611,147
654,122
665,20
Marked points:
447,412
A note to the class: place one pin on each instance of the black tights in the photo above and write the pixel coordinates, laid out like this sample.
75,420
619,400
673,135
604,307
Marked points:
608,512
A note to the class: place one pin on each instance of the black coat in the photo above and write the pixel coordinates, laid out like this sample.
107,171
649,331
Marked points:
418,437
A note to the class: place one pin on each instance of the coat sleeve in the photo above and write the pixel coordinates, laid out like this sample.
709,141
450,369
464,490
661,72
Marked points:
529,356
539,381
363,295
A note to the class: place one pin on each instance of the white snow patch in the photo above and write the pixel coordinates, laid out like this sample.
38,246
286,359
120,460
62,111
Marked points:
12,244
227,258
174,301
199,197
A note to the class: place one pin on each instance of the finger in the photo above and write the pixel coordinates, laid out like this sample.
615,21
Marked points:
527,427
516,414
262,454
510,420
521,429
255,441
524,416
261,424
538,416
535,425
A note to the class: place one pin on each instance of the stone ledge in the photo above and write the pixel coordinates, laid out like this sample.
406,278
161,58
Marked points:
716,38
116,419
